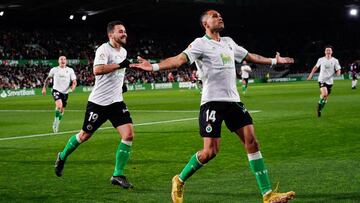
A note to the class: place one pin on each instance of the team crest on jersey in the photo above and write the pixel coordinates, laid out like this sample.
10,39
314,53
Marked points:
230,47
208,128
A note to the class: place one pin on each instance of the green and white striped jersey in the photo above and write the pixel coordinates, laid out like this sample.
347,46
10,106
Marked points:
217,59
108,87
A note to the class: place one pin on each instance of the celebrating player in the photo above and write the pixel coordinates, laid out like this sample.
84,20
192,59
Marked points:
220,102
106,103
62,77
328,67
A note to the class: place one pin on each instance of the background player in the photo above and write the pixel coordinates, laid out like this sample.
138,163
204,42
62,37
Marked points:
245,73
353,71
328,67
62,76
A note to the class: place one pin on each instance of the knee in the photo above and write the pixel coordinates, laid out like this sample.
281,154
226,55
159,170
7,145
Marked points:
207,154
252,145
84,136
128,136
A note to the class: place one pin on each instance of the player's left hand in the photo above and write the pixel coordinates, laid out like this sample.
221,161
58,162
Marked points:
283,60
143,64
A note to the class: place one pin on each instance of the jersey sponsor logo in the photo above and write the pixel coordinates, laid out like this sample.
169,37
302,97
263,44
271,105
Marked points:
226,59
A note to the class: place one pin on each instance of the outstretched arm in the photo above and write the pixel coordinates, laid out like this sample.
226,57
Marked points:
169,63
312,72
255,58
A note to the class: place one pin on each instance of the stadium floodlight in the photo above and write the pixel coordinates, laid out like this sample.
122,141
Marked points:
71,17
1,13
353,12
83,17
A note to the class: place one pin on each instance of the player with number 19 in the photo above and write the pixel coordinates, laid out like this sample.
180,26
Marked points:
106,103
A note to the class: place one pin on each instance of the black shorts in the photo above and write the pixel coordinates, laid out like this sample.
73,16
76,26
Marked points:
58,95
328,87
354,76
246,80
96,115
212,114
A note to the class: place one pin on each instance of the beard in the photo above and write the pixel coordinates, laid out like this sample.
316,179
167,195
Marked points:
121,41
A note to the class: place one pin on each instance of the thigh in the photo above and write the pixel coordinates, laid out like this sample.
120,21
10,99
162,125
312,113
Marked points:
237,116
119,114
95,116
210,119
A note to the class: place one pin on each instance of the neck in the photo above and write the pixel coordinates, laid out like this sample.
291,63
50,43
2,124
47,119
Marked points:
328,56
114,44
62,66
213,35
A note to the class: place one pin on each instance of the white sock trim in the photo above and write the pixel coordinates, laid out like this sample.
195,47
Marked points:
266,193
197,159
78,138
255,156
126,142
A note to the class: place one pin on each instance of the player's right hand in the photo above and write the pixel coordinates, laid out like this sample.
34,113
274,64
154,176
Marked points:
143,64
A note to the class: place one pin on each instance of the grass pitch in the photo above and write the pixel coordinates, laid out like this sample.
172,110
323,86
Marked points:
318,158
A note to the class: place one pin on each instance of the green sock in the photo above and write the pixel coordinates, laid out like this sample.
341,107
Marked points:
191,167
243,88
122,157
61,116
57,113
71,145
322,103
258,167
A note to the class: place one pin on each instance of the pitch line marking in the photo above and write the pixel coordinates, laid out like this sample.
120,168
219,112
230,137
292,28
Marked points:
74,110
104,128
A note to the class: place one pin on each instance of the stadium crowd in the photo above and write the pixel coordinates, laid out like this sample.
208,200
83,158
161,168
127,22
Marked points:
16,44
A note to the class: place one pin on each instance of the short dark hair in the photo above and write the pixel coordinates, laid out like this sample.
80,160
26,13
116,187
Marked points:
202,17
111,25
329,46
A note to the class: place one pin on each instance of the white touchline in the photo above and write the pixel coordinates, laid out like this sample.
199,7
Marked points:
104,128
131,110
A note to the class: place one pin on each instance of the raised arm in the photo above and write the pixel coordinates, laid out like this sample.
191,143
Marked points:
169,63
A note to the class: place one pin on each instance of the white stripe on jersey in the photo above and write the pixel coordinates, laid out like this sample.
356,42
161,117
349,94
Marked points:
217,66
108,87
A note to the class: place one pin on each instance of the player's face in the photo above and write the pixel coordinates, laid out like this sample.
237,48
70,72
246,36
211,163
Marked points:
62,61
214,21
328,51
119,34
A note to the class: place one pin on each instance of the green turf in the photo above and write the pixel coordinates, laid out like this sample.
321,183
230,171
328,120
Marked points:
317,158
